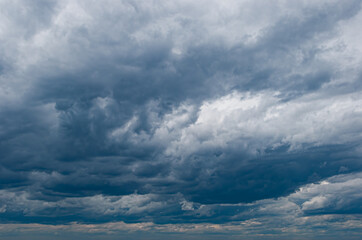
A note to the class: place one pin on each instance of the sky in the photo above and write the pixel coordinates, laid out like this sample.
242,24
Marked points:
124,119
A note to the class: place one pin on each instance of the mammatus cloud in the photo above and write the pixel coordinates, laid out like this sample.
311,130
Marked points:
239,118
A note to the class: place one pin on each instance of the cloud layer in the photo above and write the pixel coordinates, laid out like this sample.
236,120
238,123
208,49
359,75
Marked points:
181,113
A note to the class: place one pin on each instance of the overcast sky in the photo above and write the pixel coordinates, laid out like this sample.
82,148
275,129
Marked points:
181,119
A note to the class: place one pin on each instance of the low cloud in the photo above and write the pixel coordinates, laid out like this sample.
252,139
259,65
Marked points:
218,114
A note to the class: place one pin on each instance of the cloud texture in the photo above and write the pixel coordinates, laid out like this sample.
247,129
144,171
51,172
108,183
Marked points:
212,115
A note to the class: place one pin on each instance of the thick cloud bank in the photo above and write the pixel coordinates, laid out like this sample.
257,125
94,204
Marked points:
164,115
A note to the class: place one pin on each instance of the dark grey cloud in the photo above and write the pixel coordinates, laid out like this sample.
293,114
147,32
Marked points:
337,195
179,112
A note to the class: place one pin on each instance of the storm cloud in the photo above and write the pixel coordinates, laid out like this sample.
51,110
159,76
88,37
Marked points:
181,114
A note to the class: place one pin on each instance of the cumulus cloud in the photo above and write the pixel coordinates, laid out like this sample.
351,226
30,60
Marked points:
256,121
180,112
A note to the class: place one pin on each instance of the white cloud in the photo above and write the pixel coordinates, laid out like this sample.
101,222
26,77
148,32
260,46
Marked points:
315,203
129,204
254,121
187,206
339,193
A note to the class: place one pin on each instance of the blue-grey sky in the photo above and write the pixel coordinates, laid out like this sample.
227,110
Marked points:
124,119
